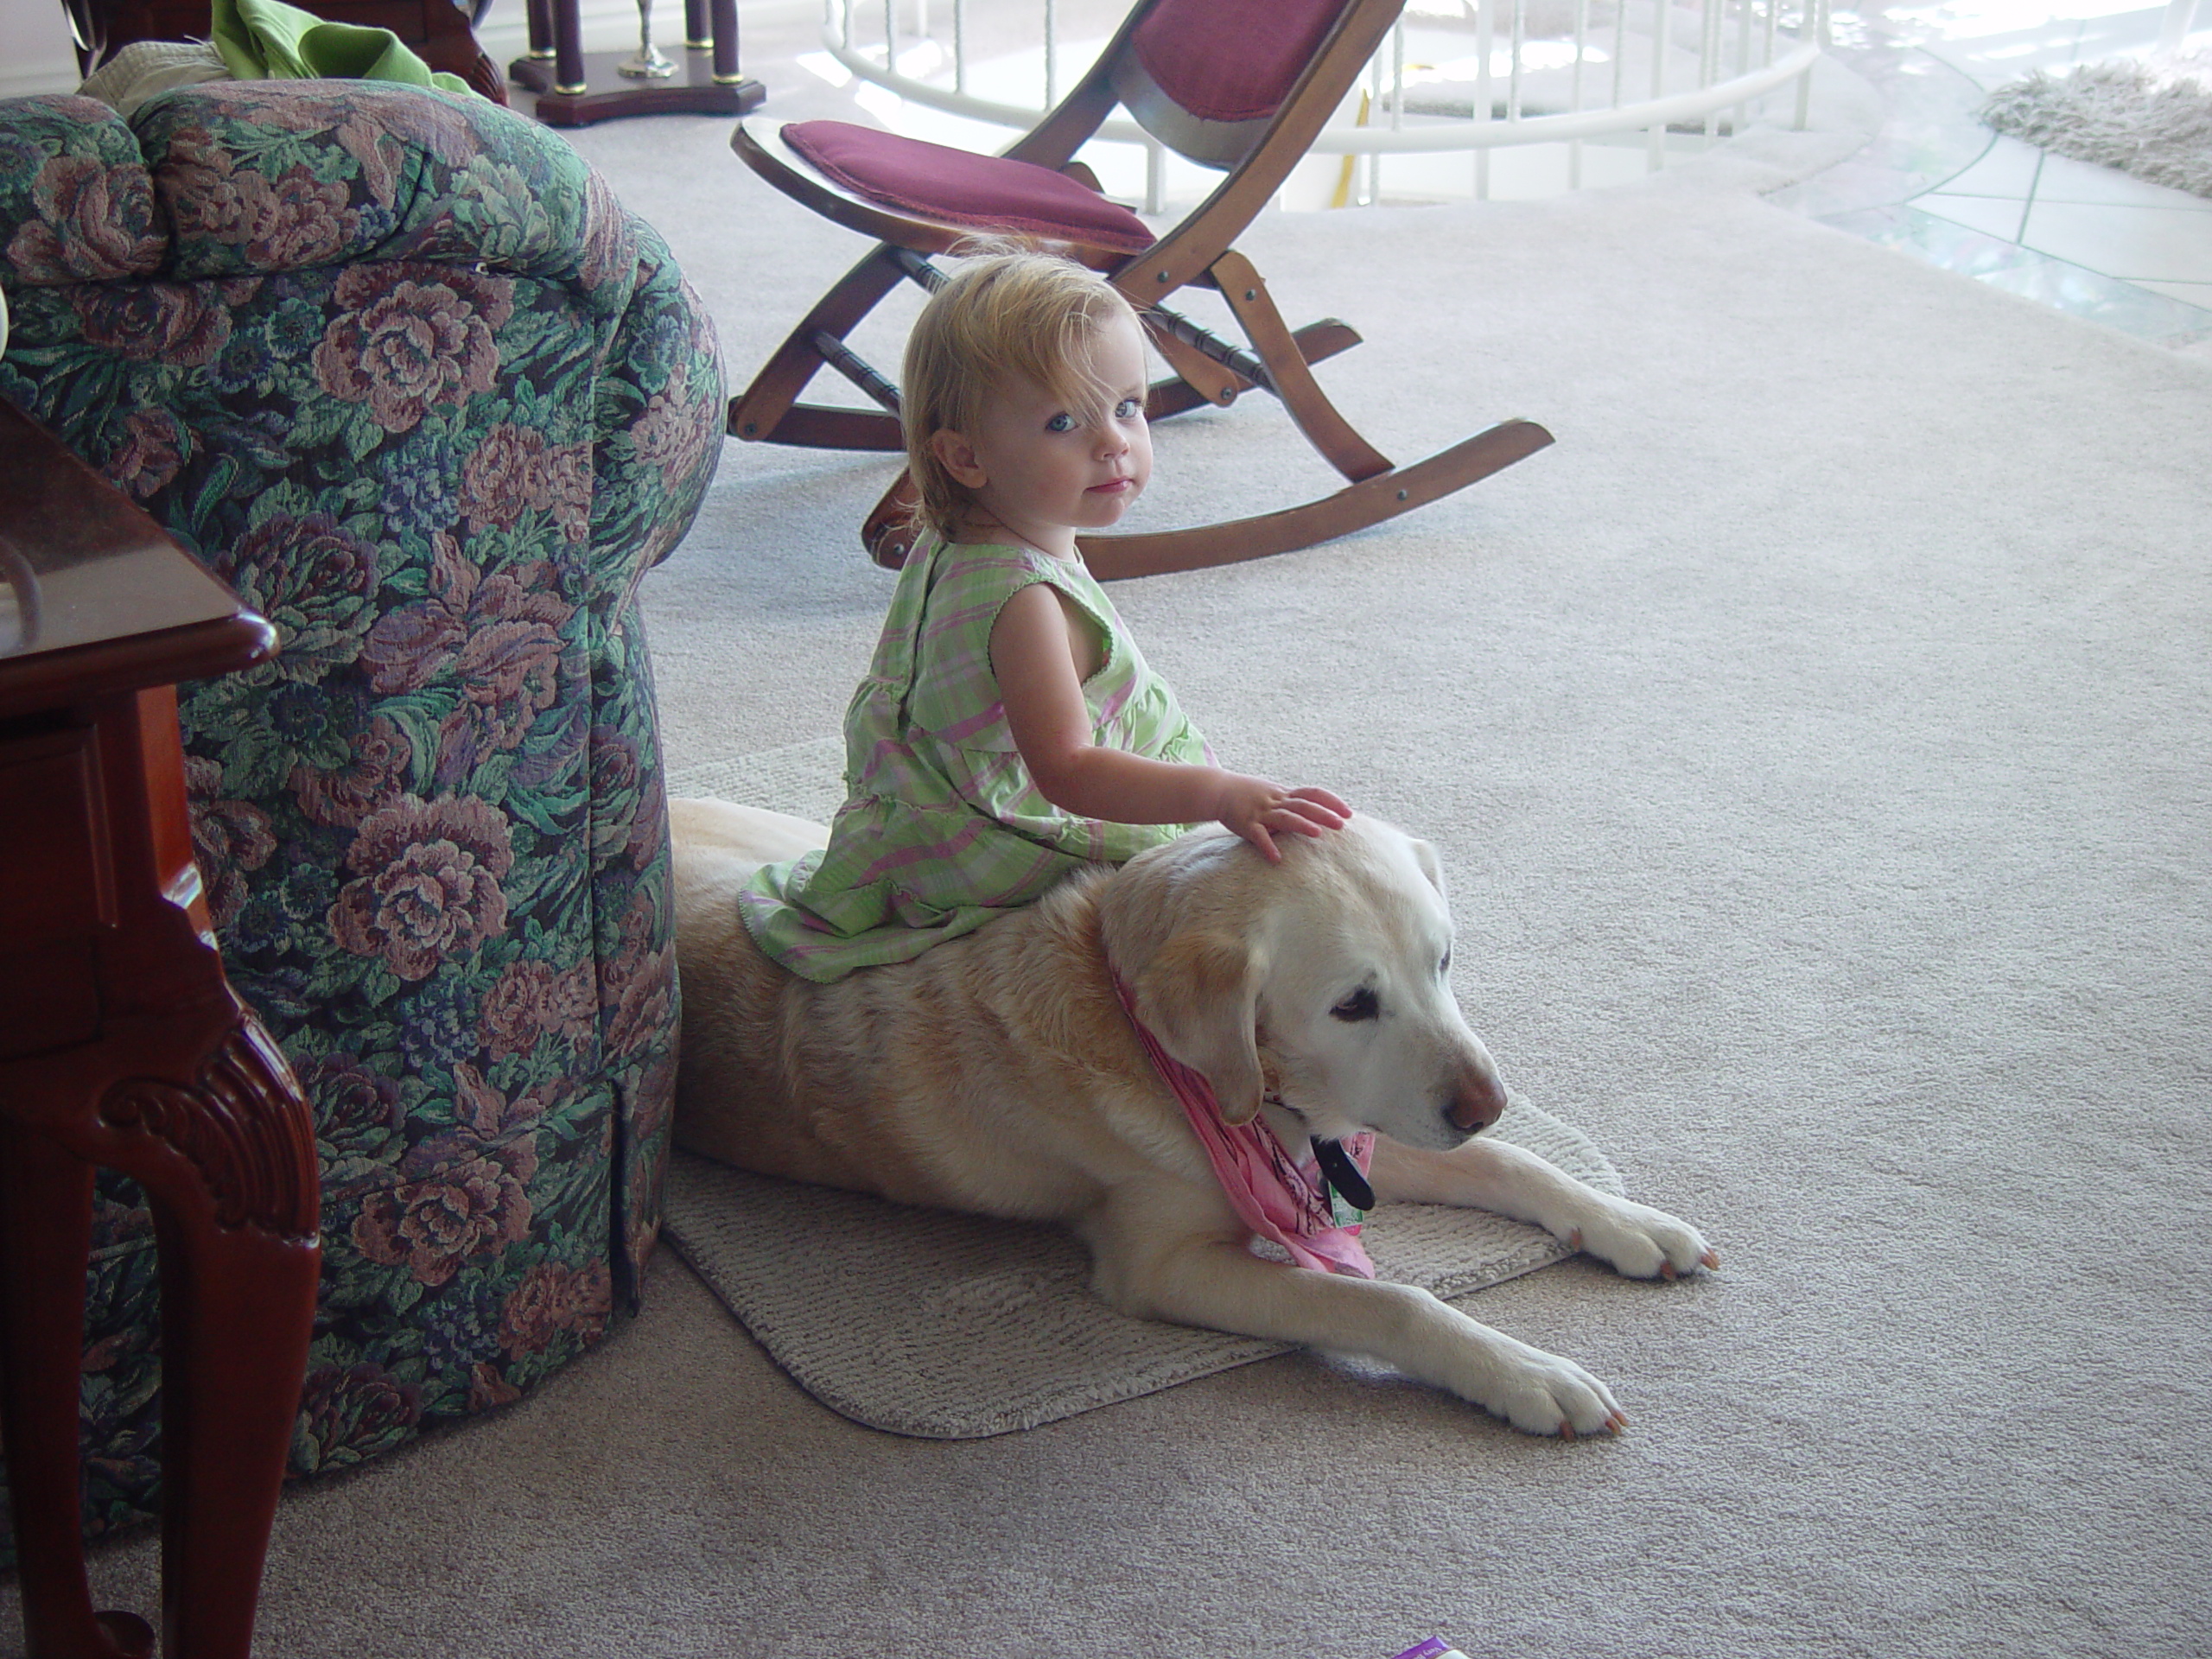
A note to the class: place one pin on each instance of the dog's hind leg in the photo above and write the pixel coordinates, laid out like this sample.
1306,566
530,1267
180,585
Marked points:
1220,1285
1509,1180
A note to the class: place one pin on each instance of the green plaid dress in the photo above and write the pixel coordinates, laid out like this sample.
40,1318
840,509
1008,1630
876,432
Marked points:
942,827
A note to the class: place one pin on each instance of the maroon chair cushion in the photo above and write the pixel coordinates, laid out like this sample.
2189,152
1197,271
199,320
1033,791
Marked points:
1232,60
957,187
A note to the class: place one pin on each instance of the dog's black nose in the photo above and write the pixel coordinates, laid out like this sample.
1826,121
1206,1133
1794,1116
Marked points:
1477,1101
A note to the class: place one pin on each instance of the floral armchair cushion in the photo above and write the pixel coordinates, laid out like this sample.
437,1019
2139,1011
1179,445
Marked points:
398,366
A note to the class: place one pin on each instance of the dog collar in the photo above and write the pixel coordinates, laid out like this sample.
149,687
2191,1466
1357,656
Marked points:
1344,1175
1286,1202
1344,1179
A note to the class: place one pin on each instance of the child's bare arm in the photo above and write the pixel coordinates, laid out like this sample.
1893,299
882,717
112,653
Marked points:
1051,723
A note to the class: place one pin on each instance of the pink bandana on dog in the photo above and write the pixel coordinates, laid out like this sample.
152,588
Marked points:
1284,1201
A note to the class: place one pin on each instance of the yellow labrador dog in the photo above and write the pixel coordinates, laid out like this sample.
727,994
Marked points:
999,1074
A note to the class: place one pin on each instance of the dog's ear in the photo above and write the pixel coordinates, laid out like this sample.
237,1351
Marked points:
1199,994
1431,865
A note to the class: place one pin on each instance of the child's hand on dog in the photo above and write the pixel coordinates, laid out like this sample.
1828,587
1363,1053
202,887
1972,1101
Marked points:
1253,807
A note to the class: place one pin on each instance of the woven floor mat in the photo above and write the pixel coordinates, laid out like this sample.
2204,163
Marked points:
948,1326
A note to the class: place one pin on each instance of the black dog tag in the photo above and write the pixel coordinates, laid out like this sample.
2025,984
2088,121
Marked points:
1342,1175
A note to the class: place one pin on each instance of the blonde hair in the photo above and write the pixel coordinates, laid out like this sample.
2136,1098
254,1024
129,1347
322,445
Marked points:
1005,315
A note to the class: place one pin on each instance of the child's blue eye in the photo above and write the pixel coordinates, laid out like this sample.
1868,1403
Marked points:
1128,409
1061,422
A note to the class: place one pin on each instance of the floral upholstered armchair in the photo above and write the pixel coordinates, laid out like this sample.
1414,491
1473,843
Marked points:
397,366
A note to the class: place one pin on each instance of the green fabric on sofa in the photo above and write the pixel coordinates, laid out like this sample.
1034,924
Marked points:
398,366
267,40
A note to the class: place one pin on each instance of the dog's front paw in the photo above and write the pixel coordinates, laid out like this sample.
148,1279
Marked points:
1643,1242
1541,1393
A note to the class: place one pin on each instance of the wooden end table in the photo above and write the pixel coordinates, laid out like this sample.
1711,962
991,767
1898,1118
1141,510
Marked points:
121,1044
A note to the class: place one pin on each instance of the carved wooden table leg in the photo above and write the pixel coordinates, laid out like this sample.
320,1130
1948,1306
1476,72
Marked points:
121,1044
185,1093
45,1222
239,1262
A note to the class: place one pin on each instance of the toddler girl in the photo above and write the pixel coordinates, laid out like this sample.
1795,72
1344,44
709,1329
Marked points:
1007,732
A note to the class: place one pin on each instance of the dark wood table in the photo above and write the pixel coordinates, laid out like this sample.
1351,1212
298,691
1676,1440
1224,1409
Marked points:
122,1045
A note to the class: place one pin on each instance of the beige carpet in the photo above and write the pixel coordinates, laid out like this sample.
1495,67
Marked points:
1819,742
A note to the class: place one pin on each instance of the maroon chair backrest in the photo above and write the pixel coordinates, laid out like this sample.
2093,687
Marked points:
1204,77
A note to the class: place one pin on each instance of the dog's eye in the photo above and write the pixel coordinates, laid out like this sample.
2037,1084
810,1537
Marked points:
1362,1004
1444,966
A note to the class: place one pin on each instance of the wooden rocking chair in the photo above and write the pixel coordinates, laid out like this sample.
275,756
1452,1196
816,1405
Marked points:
1240,84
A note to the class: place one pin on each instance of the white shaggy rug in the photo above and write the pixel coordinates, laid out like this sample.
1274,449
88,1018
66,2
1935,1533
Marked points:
2151,117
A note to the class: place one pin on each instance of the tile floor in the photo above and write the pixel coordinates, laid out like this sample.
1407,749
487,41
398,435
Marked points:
2092,241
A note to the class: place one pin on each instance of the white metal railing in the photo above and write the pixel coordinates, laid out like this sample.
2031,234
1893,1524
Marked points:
1676,73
